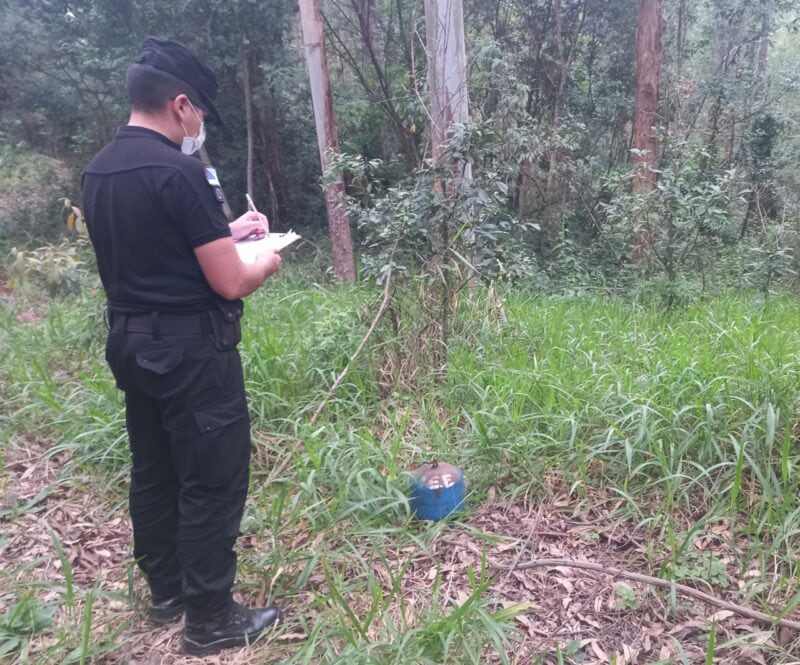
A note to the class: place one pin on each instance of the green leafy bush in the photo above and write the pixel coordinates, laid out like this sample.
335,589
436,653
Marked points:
58,269
448,214
690,220
31,185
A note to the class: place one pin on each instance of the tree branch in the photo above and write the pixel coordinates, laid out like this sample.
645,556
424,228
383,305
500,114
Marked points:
387,294
761,617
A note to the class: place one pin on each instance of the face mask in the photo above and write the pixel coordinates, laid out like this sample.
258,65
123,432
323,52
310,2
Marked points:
191,145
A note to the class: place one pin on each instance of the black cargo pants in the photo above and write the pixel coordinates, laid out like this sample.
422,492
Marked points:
189,431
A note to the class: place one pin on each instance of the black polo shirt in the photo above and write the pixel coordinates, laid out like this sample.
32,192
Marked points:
147,206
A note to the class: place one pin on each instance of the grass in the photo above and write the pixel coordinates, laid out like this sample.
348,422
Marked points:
686,421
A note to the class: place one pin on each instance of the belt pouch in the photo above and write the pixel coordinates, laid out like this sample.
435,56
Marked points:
226,331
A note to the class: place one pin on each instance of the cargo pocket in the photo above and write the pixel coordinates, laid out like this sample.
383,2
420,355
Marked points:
160,361
225,441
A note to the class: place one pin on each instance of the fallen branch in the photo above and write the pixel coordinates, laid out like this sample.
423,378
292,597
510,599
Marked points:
387,293
646,579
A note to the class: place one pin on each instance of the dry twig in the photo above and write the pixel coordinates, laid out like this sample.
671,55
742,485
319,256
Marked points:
647,579
387,293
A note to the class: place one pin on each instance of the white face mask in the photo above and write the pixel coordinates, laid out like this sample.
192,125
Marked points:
191,145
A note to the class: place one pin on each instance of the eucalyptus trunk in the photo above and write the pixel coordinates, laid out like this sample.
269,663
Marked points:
327,139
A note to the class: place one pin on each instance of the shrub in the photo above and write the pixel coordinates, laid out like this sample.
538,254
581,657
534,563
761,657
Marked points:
30,188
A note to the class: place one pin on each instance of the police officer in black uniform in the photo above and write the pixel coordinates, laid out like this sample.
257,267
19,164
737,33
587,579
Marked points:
174,281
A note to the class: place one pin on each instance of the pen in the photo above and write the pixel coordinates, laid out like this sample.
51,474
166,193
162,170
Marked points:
252,207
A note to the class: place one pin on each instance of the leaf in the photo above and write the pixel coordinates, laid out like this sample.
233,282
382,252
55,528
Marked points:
513,611
9,644
598,651
71,221
721,616
750,656
31,503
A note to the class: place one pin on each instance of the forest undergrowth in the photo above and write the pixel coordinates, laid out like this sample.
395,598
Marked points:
591,429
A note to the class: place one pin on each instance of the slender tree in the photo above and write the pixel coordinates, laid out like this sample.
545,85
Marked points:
327,139
449,105
447,78
649,50
566,54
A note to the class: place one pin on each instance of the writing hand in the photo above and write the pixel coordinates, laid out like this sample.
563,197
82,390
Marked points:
250,225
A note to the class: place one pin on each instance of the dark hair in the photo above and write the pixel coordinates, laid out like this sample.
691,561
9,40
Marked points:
149,89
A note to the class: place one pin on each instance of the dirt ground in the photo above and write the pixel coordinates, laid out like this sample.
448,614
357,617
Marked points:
602,618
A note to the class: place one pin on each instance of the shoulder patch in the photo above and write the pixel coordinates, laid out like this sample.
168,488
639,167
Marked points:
219,195
211,176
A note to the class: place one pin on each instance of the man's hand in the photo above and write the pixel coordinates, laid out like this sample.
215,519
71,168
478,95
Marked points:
271,262
225,272
250,225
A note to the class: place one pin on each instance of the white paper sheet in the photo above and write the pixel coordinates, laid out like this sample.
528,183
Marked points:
250,249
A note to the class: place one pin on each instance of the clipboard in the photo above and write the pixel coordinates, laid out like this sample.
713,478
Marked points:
275,242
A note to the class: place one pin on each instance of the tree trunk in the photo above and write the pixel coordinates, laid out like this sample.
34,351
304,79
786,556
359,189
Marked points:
648,67
327,139
447,77
273,165
563,72
763,47
681,37
565,55
447,80
760,90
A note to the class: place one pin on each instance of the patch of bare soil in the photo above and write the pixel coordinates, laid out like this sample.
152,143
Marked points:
44,510
607,618
38,510
600,618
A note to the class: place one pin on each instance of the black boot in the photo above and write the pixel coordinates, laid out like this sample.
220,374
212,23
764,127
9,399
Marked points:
240,626
166,610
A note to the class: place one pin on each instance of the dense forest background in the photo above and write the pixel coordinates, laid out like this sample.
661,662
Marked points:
585,298
552,86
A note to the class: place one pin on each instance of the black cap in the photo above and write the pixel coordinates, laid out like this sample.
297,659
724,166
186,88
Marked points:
178,60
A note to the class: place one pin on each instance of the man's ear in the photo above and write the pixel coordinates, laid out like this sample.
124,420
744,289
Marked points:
181,104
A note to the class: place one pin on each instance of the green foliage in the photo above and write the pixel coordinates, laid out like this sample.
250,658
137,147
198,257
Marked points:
543,151
441,214
691,410
688,219
772,257
30,186
705,566
764,133
68,624
626,598
21,621
711,644
63,90
59,269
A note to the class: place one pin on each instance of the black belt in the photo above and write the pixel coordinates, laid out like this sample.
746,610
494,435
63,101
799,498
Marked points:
165,323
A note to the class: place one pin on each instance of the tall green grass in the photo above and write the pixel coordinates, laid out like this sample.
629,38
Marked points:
687,416
666,401
677,405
